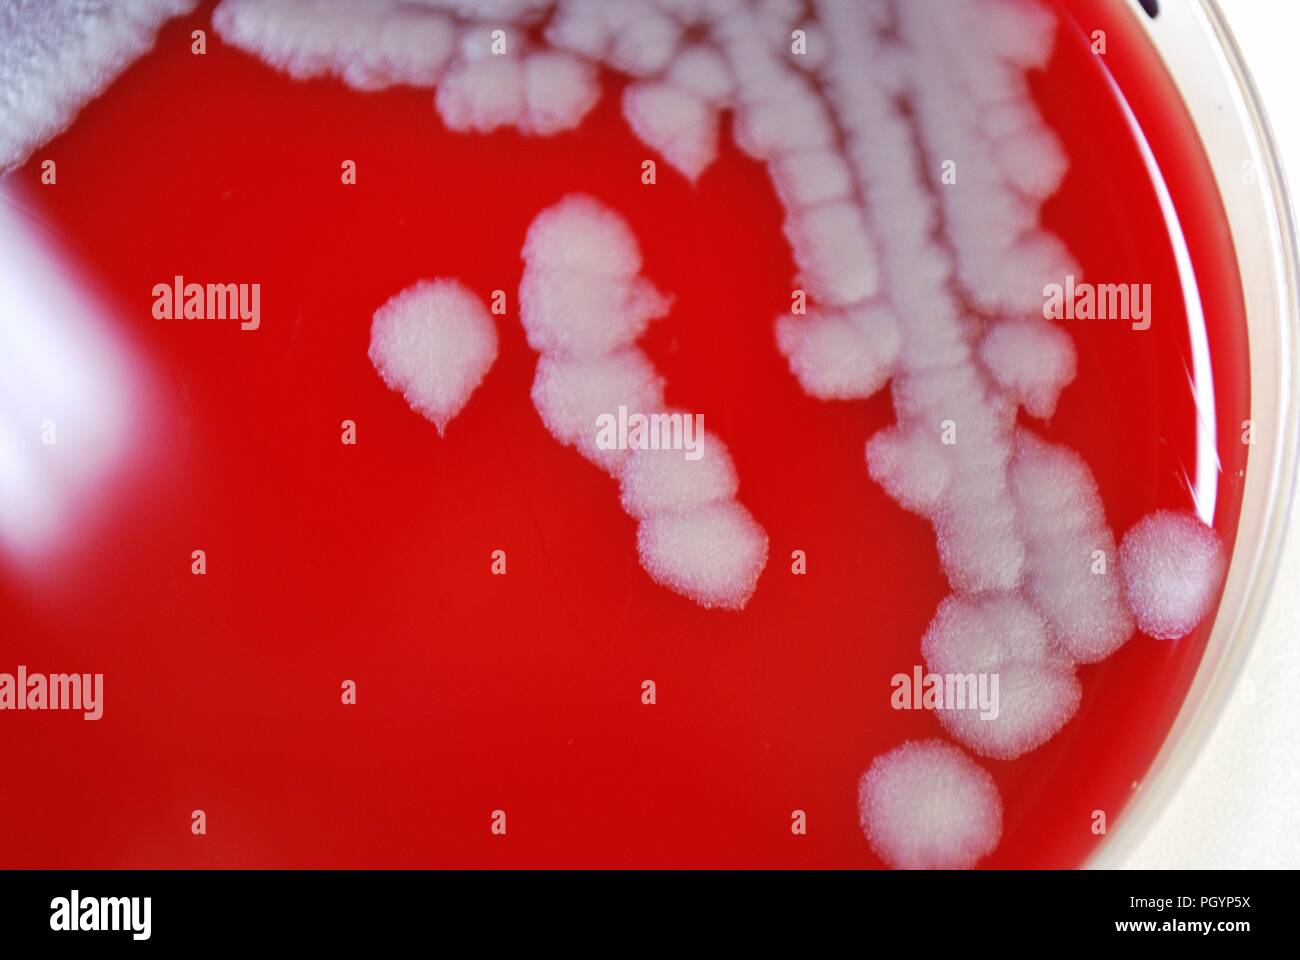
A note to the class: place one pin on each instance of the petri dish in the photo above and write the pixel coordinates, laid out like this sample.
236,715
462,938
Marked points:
964,301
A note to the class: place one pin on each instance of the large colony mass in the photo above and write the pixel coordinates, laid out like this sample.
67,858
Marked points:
583,303
56,55
903,141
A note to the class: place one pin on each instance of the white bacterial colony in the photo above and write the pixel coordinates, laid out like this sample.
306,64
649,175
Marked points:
679,124
1173,564
583,303
433,342
318,38
999,634
58,55
931,288
1031,361
486,77
925,805
1067,544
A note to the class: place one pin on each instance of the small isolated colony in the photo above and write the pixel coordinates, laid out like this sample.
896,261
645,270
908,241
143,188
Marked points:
901,276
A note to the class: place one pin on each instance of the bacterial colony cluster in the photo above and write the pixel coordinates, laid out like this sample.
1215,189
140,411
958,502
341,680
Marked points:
853,106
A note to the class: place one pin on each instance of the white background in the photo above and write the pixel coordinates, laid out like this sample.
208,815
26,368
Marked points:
1240,803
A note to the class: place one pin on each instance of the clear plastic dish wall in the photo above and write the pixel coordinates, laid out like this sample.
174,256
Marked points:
1198,49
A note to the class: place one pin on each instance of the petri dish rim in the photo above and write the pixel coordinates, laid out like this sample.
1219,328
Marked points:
1200,53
